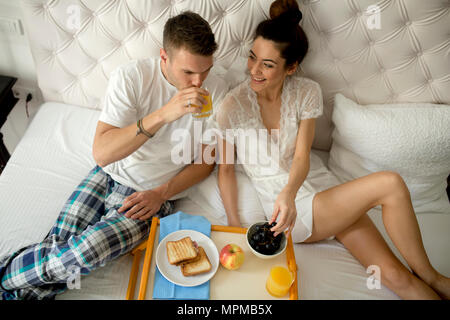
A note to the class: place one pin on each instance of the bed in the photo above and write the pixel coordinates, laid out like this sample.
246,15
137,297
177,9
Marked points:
378,62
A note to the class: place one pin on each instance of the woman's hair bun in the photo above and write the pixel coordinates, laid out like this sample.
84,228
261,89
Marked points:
291,17
284,29
286,10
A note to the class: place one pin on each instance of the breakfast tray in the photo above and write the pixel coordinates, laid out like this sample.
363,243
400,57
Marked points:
251,277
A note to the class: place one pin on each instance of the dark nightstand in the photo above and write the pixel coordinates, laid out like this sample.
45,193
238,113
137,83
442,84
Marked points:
7,103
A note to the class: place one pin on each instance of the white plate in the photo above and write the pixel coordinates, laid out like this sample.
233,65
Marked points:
172,272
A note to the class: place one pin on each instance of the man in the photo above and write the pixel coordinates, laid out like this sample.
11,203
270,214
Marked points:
135,179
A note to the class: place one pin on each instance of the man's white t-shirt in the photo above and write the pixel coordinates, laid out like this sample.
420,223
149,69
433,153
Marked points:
135,90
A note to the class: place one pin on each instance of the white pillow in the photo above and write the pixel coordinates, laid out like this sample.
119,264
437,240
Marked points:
412,139
206,194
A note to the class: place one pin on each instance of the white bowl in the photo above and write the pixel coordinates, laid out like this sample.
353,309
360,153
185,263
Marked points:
280,250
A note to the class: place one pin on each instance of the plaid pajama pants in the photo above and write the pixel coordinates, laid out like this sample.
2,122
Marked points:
88,233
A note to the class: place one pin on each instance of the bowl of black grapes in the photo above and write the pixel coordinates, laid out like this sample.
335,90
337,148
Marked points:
262,241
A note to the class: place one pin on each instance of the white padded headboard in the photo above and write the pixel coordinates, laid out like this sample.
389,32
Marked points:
371,51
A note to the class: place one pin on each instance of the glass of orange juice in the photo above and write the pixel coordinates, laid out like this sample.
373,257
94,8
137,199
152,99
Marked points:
279,281
206,108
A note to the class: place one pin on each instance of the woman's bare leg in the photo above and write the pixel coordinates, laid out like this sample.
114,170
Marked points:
366,244
337,208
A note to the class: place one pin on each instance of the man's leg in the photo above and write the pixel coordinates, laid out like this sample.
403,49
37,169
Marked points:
48,263
55,261
85,206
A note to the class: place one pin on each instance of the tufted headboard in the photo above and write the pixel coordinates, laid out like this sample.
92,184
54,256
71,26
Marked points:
371,51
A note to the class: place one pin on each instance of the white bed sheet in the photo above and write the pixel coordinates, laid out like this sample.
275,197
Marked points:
48,163
55,154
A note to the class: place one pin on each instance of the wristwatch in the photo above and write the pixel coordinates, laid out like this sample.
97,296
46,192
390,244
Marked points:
140,129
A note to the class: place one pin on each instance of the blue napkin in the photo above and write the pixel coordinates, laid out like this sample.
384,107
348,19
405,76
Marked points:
163,288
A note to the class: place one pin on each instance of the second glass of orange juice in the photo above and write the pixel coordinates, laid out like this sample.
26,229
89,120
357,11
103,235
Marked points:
279,281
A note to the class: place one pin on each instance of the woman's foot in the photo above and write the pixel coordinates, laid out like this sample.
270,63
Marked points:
442,287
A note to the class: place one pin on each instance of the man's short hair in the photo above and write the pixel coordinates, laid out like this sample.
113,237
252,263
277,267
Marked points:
190,31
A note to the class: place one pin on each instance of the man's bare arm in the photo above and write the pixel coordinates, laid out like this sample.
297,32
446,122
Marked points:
144,204
112,143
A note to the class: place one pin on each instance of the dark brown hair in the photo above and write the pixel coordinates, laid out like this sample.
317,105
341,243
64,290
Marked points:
283,29
190,31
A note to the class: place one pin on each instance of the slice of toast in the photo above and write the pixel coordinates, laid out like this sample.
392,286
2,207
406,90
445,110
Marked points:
181,250
199,265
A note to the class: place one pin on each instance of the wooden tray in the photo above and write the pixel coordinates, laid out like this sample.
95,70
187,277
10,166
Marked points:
251,277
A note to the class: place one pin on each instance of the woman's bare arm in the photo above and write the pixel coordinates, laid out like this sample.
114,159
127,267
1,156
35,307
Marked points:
285,203
228,184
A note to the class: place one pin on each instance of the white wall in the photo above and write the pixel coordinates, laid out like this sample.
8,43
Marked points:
15,55
16,61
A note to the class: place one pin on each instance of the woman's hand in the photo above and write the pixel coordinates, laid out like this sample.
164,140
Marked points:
142,205
285,209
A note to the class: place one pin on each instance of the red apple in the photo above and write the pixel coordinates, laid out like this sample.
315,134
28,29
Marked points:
232,256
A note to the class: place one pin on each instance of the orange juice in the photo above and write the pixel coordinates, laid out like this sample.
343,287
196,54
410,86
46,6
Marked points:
206,108
279,281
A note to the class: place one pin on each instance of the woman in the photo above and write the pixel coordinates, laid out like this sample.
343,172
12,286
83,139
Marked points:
278,102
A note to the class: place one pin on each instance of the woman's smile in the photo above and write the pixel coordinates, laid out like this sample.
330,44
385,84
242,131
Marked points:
258,80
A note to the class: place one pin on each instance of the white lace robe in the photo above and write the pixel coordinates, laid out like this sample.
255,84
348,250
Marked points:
267,157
